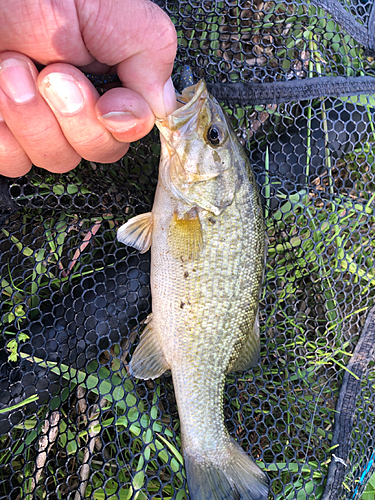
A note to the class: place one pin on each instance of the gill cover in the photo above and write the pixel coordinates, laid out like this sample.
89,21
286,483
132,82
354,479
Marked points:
199,163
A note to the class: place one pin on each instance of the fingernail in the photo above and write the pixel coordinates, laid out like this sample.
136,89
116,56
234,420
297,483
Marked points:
62,92
119,121
170,102
16,80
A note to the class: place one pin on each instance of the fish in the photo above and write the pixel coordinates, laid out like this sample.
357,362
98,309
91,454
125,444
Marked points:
207,236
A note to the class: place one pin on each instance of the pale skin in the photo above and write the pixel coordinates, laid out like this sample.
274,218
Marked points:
54,117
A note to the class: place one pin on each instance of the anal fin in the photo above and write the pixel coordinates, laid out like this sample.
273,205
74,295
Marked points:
148,360
249,355
137,232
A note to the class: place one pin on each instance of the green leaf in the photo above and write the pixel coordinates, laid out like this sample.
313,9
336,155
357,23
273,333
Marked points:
173,449
139,479
12,347
31,436
58,189
72,189
118,393
19,405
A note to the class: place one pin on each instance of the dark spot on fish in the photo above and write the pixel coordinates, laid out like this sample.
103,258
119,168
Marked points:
182,304
212,220
194,270
186,274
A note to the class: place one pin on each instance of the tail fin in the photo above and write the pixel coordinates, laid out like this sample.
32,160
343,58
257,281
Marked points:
239,479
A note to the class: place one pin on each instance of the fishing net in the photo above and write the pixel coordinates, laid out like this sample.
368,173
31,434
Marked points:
297,80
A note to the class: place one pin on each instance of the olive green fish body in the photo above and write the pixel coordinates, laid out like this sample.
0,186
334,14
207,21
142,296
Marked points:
206,232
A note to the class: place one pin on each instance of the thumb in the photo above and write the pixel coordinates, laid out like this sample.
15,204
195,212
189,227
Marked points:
138,38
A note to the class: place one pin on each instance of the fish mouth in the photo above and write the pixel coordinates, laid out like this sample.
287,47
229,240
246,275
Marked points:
191,94
192,98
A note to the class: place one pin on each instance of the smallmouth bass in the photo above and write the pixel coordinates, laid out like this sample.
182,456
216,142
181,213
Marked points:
207,238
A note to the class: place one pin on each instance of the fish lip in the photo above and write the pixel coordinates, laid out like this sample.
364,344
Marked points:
189,108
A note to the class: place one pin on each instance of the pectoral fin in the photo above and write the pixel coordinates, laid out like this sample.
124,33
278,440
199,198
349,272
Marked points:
249,355
185,236
148,360
137,232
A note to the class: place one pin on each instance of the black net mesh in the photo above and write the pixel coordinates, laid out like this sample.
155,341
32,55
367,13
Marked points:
297,81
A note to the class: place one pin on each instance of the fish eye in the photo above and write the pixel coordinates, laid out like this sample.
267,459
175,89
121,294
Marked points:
215,135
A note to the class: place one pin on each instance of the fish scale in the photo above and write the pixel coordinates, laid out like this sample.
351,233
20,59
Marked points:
211,321
206,232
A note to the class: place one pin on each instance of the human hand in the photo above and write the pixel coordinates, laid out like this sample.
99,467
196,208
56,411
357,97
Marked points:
55,117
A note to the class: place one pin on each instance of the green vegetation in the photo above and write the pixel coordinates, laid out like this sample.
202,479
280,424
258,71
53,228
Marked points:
369,494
